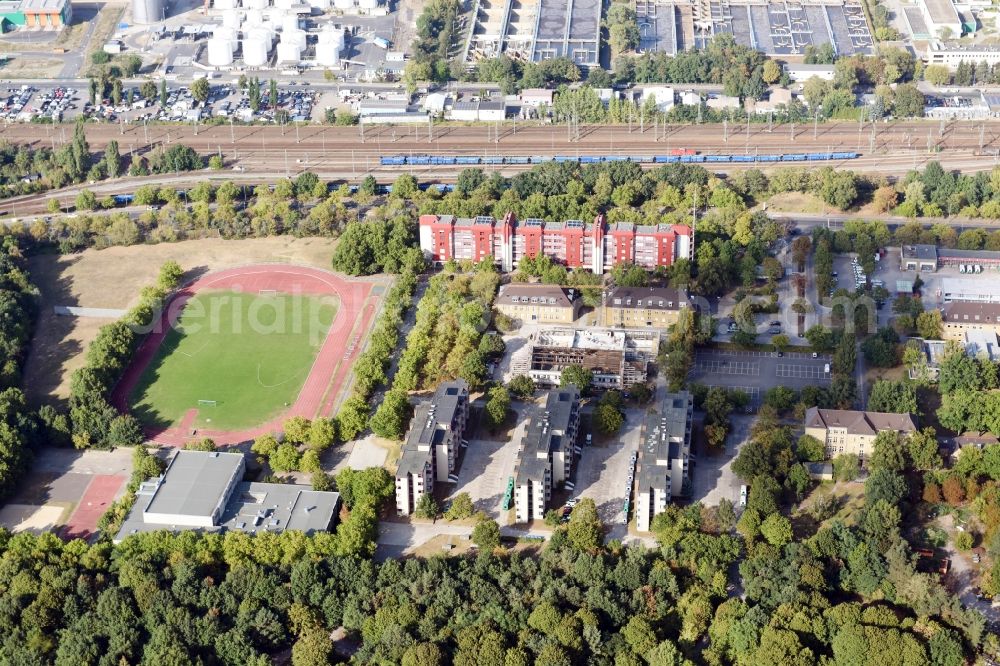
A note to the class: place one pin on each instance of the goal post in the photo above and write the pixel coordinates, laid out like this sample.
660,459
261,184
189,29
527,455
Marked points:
268,292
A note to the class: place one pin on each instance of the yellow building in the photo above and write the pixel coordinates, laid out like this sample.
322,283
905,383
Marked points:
850,431
962,317
643,307
538,303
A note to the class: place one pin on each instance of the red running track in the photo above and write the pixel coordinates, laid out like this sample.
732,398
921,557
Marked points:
330,368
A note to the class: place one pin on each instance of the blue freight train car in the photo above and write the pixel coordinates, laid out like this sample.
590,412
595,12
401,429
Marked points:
445,160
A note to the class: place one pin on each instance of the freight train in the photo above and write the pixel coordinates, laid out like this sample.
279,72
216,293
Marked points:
678,155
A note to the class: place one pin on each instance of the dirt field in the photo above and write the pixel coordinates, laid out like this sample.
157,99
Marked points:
112,278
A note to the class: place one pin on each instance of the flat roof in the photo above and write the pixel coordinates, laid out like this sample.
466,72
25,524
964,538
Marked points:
546,433
920,252
194,483
431,425
665,439
942,11
43,5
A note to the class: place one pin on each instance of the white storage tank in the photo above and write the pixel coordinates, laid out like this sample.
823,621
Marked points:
290,22
145,12
220,52
321,5
283,4
254,18
327,54
262,35
343,4
255,4
231,19
289,52
225,4
254,52
368,4
297,37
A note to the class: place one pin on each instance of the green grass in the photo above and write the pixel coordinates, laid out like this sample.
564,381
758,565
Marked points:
249,353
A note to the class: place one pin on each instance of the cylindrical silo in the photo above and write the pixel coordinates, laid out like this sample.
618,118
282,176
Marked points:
343,4
288,52
283,4
327,54
297,37
231,18
262,35
367,4
321,5
255,4
254,18
290,22
220,52
224,4
145,12
254,53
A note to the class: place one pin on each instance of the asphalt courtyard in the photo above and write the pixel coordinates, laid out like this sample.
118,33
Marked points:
754,372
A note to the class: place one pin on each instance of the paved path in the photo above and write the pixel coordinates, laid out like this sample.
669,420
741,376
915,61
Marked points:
97,313
329,370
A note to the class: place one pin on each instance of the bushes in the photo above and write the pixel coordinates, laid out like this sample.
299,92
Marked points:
95,422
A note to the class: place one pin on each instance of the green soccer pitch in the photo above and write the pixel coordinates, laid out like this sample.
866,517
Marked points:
239,359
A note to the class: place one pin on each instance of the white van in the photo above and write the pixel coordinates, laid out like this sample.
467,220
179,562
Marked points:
743,495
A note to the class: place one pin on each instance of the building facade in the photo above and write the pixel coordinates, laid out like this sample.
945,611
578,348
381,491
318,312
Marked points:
547,453
432,443
545,304
616,358
851,431
963,318
663,457
643,307
598,246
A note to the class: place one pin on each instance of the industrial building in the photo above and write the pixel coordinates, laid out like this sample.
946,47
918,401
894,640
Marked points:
205,490
598,246
538,303
853,432
535,30
432,444
616,358
925,258
643,307
35,14
663,457
546,454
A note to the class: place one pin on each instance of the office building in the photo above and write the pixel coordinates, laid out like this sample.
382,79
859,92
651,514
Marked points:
432,443
961,318
203,490
853,432
643,307
598,246
546,454
663,457
538,303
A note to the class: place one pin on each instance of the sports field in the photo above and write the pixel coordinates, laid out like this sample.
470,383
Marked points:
239,359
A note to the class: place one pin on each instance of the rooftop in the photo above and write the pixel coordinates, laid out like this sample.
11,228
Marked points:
928,252
965,311
941,11
859,423
42,5
665,439
194,483
536,294
547,432
431,425
655,298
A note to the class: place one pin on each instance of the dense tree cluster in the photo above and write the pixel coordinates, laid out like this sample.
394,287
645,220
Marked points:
96,423
378,246
19,429
371,368
446,342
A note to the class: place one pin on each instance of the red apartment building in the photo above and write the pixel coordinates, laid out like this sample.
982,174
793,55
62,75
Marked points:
597,246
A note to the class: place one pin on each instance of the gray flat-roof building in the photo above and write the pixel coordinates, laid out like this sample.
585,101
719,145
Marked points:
546,454
431,445
205,491
920,258
663,457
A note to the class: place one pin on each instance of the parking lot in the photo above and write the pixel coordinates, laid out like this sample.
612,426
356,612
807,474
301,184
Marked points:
602,472
731,370
28,103
486,464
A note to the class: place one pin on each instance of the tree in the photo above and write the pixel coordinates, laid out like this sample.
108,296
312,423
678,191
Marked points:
200,90
922,447
112,160
461,507
771,72
164,95
937,75
777,530
285,458
521,386
310,462
265,445
892,396
888,452
423,654
297,429
497,404
313,648
576,375
846,467
486,534
215,163
810,449
85,200
929,324
426,507
322,434
392,416
780,342
607,418
585,531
